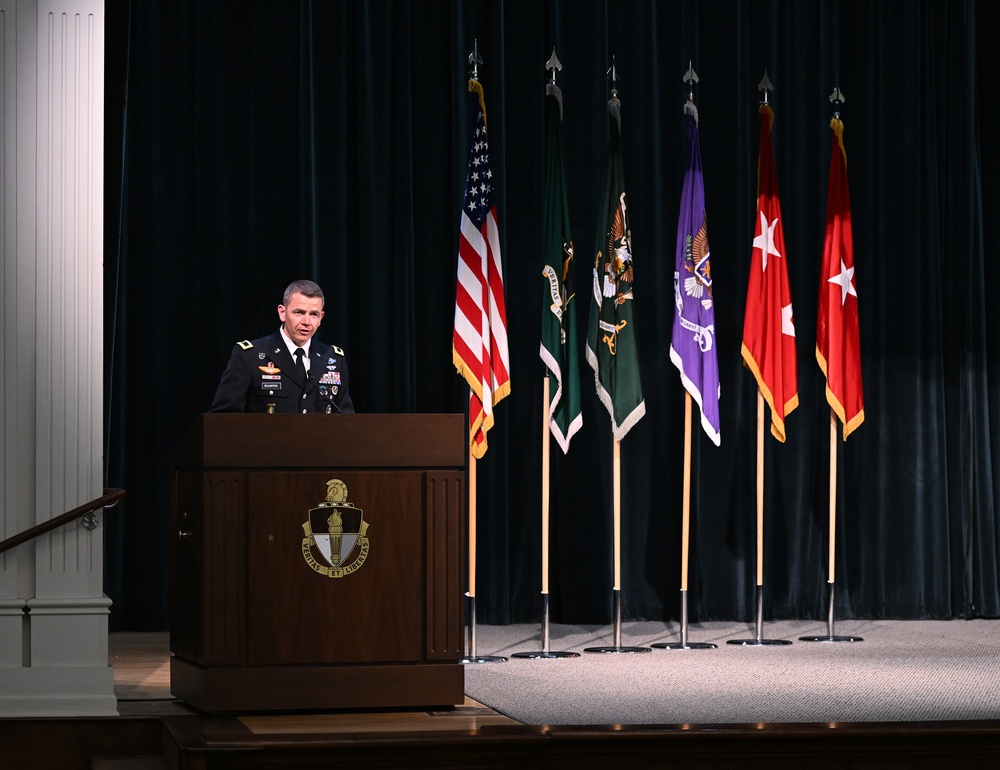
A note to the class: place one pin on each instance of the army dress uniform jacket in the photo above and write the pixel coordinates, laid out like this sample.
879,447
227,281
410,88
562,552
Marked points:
261,377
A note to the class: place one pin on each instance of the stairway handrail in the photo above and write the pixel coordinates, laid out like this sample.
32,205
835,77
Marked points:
110,497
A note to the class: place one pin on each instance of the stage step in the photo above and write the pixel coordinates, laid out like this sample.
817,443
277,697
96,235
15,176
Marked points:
79,742
210,742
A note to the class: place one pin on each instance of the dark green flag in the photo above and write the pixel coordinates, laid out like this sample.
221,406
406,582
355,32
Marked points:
559,343
612,350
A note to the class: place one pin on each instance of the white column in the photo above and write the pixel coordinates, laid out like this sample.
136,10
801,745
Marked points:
53,611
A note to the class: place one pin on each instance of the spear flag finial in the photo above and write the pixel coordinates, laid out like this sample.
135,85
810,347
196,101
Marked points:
474,61
690,77
765,85
837,97
553,64
614,106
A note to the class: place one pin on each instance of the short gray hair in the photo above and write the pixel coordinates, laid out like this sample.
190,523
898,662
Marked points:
305,288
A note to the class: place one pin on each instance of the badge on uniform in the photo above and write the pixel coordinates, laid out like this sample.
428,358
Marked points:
270,408
270,368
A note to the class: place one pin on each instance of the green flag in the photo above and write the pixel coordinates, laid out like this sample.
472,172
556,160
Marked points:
612,350
559,344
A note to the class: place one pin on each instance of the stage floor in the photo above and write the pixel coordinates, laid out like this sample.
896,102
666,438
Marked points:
155,730
141,663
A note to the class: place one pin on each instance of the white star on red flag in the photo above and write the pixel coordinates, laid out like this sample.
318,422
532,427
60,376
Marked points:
845,279
765,241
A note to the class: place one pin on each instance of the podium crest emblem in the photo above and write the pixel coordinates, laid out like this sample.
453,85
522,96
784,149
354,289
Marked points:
336,534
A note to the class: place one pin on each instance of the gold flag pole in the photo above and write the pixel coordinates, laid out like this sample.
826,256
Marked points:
764,86
617,590
474,61
831,555
684,644
837,98
760,495
690,77
545,652
473,656
758,638
545,491
616,469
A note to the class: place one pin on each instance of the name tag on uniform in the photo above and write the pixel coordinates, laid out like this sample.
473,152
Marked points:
272,386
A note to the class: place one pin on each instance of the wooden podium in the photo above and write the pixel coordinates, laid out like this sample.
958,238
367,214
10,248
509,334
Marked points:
317,562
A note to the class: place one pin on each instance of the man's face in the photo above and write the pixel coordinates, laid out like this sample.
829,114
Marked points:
301,317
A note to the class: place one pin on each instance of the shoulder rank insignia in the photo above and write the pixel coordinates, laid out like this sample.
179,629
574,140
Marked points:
245,344
337,350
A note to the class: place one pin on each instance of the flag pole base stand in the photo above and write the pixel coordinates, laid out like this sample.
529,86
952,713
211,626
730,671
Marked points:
545,652
617,648
758,640
473,657
831,638
684,644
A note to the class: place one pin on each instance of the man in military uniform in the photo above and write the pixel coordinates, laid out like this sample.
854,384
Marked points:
288,372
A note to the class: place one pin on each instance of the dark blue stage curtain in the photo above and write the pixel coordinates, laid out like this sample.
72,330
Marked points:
249,144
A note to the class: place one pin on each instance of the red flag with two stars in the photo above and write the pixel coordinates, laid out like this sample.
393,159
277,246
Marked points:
768,327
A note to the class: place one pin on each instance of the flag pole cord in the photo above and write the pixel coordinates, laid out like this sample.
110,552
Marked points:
758,638
474,656
830,635
546,472
685,541
616,592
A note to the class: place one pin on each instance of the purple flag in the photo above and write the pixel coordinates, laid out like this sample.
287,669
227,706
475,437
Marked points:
692,345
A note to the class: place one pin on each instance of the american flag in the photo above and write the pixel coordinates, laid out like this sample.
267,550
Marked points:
479,344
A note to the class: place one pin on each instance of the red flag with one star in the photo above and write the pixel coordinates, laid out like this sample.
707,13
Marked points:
768,328
838,348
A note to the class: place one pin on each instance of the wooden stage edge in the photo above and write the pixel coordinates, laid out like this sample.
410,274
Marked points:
157,732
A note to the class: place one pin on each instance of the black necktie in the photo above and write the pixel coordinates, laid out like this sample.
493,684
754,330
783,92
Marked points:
300,365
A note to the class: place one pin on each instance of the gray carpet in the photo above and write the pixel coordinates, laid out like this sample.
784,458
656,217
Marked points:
902,671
